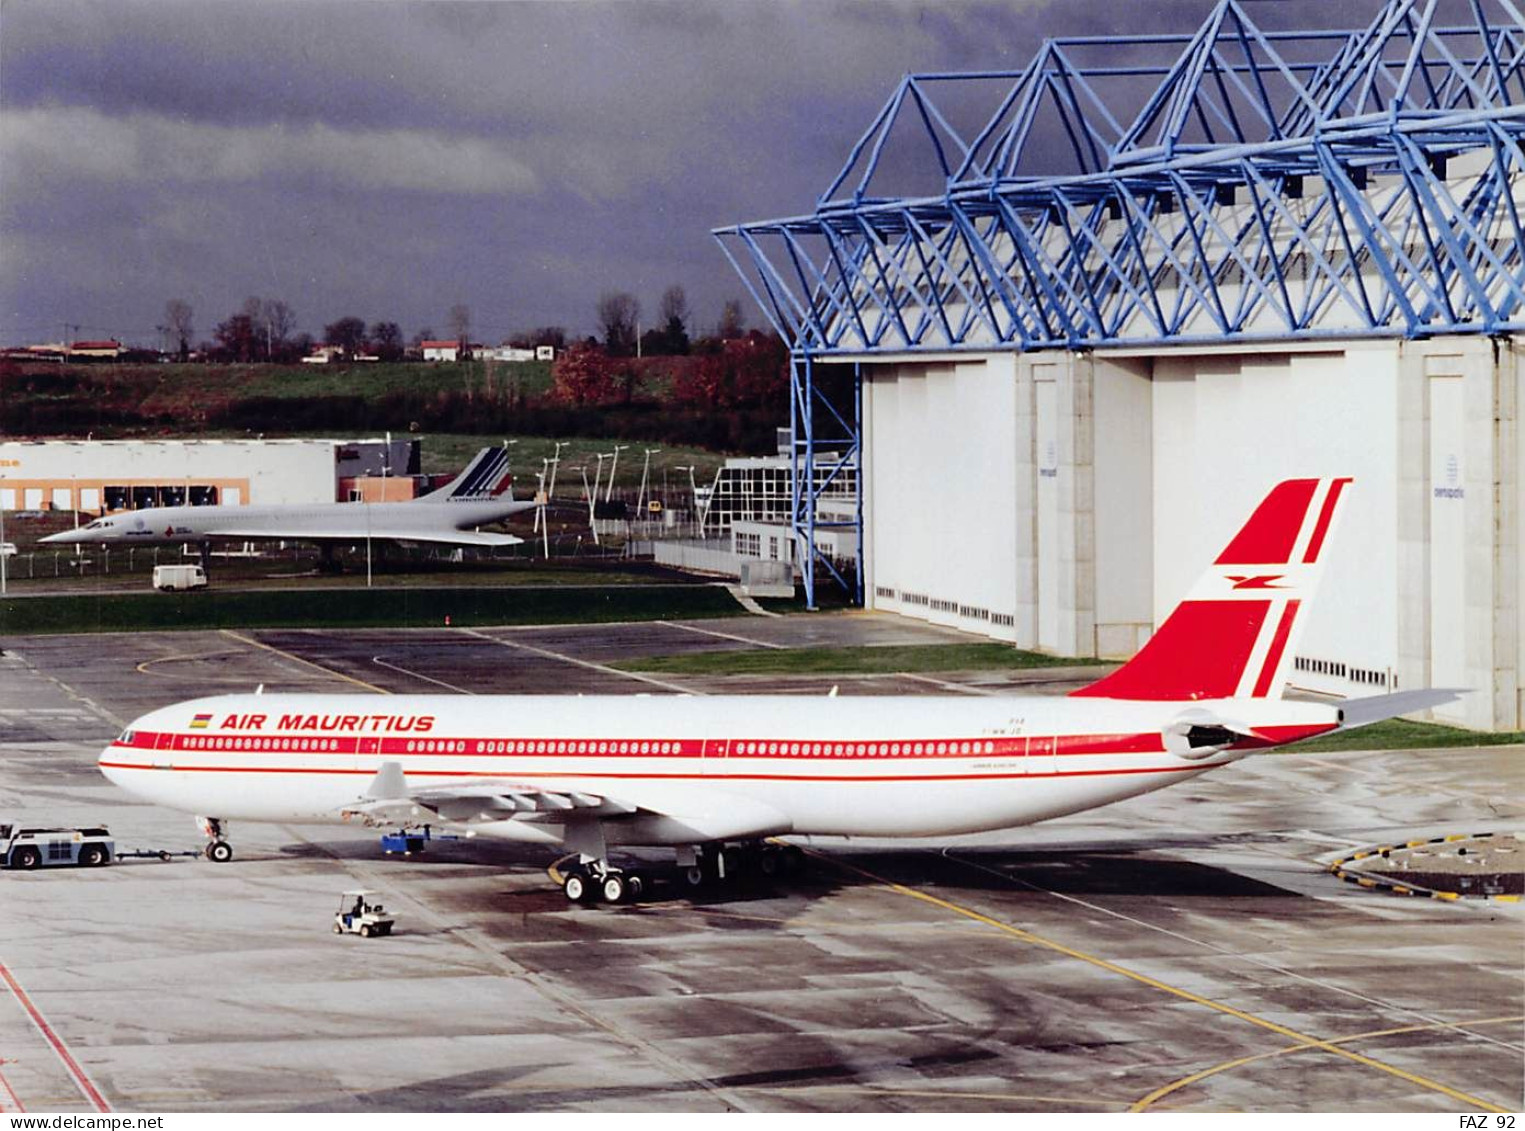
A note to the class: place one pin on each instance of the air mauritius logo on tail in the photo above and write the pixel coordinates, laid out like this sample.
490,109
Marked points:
1234,634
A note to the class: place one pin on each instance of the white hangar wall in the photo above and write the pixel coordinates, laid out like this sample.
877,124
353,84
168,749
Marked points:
1066,501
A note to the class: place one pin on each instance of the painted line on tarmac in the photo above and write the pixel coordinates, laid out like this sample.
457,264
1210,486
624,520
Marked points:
420,675
947,684
724,635
10,1102
1165,987
367,874
589,664
1239,1062
1226,952
228,632
81,1078
199,677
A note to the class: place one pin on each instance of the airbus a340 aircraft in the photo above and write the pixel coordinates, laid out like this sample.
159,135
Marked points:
707,774
477,496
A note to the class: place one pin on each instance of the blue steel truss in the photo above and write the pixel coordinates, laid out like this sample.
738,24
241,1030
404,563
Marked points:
1255,185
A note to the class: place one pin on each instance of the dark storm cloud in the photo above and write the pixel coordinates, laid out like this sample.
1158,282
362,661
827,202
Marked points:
390,159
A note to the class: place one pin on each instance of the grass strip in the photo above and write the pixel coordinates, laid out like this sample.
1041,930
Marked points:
360,608
1402,734
862,660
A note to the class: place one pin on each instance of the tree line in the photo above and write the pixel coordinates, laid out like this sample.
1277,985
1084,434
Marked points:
264,330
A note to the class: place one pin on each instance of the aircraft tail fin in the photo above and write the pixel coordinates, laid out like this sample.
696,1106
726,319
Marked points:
486,477
1235,633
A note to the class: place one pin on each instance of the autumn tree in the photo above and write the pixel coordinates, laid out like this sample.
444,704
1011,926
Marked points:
673,315
279,321
347,333
619,315
178,317
584,375
386,340
459,321
732,324
747,373
235,338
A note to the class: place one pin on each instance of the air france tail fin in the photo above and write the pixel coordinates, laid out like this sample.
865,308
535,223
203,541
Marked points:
486,477
1235,633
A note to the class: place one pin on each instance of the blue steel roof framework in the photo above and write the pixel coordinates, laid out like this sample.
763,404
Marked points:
1271,186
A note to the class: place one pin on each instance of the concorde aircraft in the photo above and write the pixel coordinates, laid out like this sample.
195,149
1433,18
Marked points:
477,496
714,776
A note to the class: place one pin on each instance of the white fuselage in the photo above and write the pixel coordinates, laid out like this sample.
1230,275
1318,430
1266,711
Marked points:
324,521
868,766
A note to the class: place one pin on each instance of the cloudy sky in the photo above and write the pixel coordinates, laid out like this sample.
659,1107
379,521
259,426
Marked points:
391,159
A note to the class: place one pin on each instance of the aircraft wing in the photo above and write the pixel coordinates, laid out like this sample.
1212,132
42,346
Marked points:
391,799
452,537
445,537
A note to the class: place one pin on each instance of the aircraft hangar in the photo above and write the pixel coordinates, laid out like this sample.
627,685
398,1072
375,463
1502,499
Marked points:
1094,308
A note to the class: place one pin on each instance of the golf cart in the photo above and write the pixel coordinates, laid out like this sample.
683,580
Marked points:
360,913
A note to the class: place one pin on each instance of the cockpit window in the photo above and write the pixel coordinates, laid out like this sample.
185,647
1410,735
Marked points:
98,524
127,737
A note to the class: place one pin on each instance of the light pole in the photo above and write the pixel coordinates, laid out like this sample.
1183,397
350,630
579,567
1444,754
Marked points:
545,525
693,488
640,500
609,490
583,470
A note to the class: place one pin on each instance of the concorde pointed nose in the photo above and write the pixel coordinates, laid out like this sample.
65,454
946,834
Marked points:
62,538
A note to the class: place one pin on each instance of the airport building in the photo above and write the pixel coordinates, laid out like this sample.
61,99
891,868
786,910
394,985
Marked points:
100,476
1097,306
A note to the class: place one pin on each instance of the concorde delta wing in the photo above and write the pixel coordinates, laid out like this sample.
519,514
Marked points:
235,533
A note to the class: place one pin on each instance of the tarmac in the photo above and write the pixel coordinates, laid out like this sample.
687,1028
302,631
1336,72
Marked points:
1184,951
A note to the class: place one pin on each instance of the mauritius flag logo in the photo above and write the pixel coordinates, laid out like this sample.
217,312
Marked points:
200,722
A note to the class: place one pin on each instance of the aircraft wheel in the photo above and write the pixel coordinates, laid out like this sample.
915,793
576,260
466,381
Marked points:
575,888
219,852
614,888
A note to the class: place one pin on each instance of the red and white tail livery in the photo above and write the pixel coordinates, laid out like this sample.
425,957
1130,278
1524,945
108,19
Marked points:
701,773
1234,634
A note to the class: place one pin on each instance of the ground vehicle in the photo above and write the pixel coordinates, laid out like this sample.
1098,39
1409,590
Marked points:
360,913
27,849
179,577
8,550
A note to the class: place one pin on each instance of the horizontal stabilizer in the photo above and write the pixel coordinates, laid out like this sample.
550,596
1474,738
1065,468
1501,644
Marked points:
1375,708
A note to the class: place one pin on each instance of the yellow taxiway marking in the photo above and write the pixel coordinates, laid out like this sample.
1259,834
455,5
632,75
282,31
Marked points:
228,632
146,664
1303,1040
1227,1065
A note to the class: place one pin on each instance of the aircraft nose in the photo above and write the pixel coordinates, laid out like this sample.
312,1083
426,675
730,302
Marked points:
63,537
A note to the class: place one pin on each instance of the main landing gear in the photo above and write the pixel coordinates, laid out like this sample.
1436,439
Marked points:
584,881
709,867
218,851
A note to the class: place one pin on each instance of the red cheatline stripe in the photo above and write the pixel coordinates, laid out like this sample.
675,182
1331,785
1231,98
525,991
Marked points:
9,1102
714,778
451,746
1278,646
81,1079
1326,516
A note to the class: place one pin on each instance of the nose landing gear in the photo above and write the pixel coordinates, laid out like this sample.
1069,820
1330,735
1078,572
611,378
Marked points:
218,851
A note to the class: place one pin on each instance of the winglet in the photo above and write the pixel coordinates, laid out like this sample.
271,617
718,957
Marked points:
1235,633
